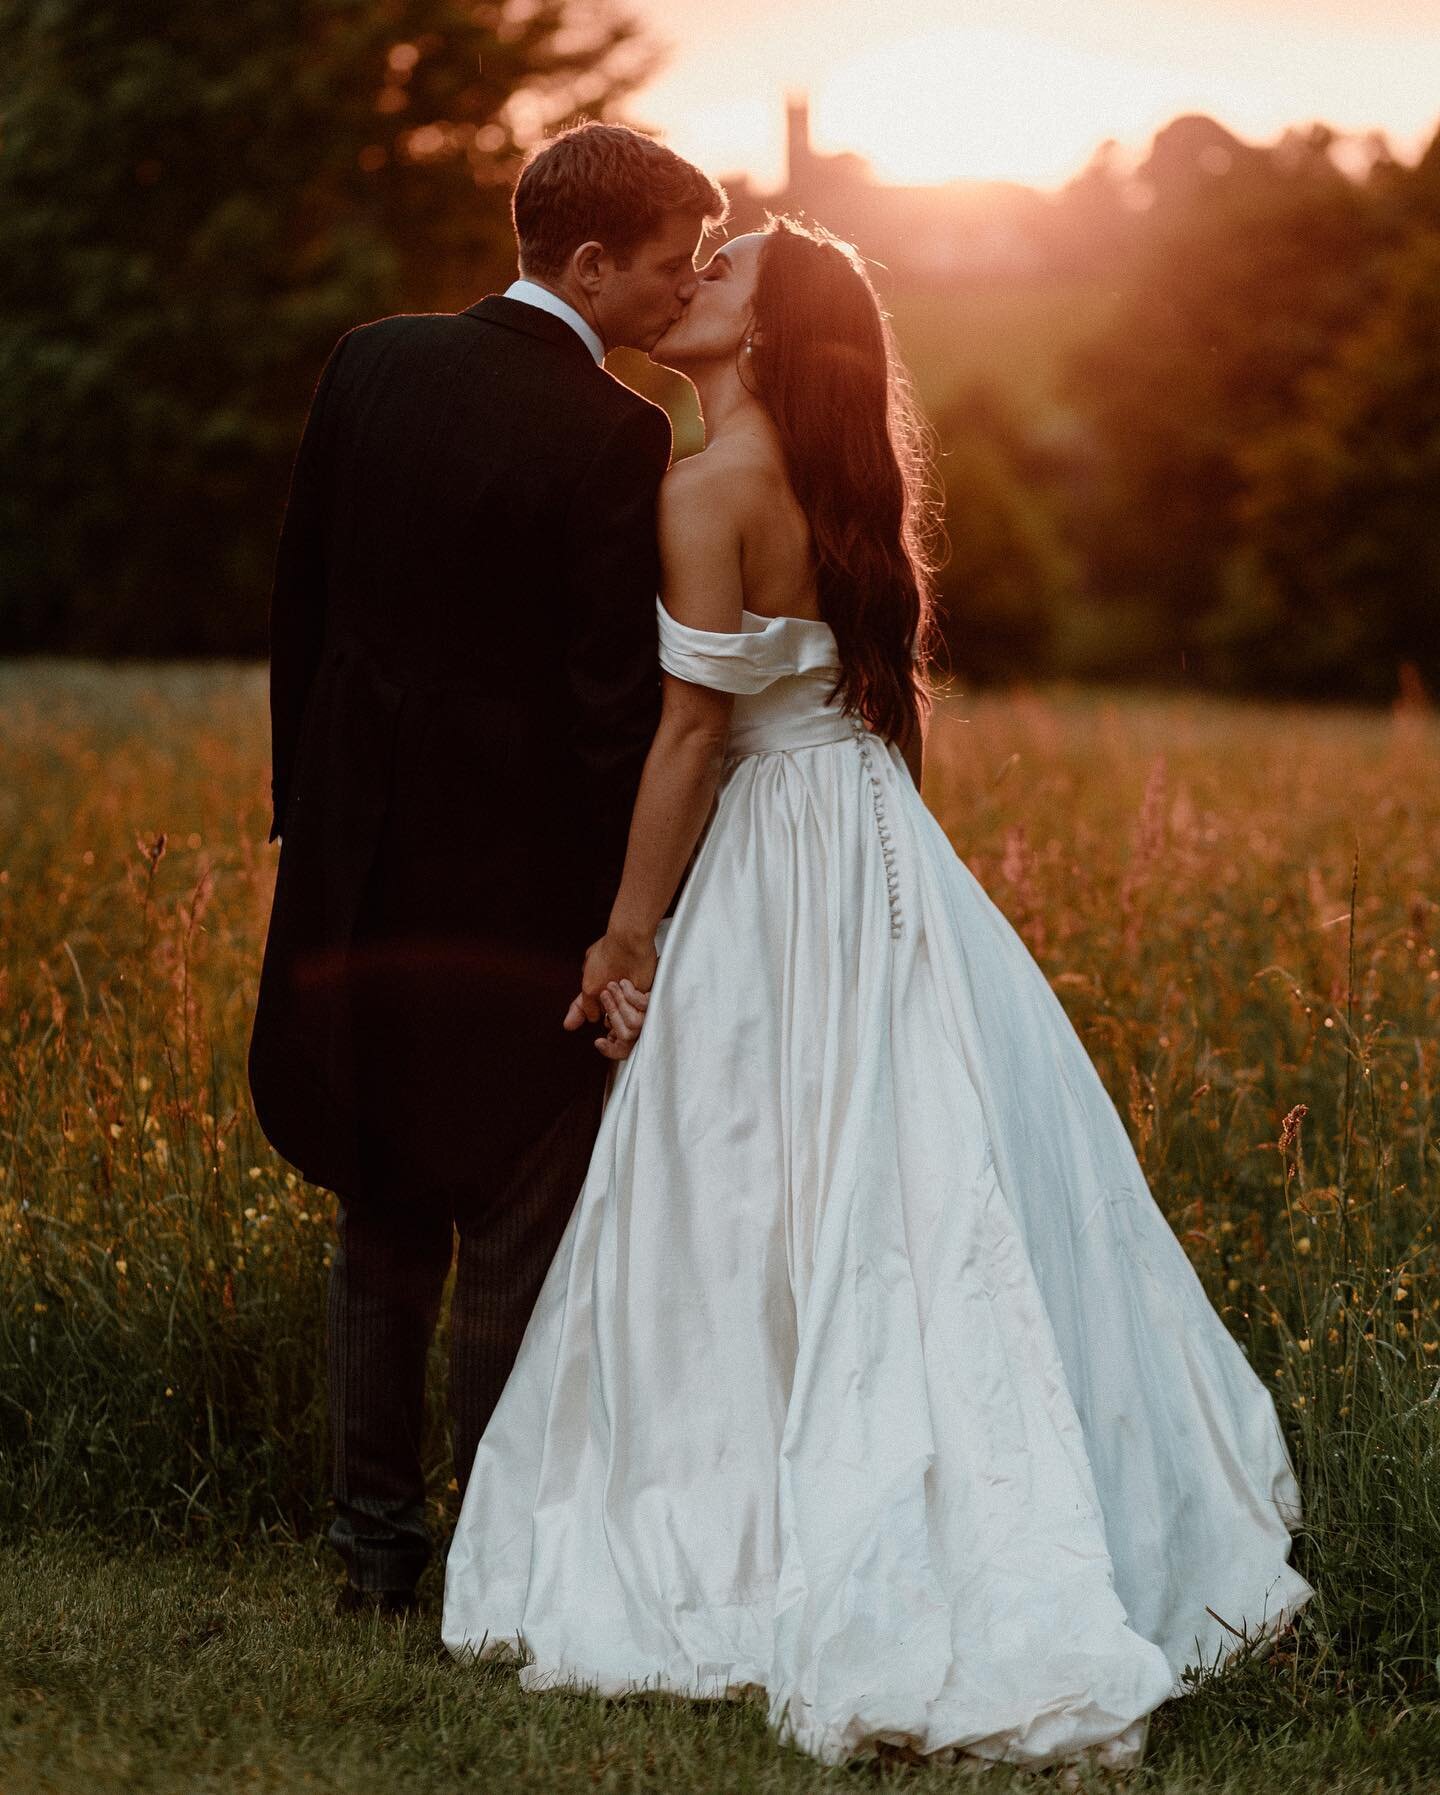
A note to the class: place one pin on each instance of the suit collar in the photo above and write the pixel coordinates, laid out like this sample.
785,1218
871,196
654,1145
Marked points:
530,321
536,294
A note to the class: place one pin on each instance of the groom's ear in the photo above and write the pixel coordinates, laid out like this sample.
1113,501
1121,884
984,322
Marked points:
585,264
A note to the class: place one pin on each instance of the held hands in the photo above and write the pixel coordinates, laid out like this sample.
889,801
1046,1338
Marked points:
616,982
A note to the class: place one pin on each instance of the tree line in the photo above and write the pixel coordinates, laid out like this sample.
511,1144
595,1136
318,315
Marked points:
195,202
1237,484
1244,490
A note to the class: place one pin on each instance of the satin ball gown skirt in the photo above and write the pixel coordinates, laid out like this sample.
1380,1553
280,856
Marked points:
868,1371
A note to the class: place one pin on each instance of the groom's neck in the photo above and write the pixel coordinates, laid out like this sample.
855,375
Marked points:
575,296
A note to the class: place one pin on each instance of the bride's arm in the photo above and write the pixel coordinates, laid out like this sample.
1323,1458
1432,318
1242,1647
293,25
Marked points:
700,576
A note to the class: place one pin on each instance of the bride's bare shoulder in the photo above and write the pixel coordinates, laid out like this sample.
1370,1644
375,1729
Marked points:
700,545
726,479
700,494
705,473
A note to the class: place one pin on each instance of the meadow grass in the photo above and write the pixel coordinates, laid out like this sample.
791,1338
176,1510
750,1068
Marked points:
188,1672
1237,904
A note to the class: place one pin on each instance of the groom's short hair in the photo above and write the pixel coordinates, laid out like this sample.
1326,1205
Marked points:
608,183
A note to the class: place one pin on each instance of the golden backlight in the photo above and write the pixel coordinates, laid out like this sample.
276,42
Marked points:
977,103
1025,90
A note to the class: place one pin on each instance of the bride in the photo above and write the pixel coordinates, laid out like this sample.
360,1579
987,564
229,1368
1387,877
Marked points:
867,1371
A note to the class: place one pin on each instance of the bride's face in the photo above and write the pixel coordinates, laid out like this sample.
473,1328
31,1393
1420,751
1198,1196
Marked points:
715,323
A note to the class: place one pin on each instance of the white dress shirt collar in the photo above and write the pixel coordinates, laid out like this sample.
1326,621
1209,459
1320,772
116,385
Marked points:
530,292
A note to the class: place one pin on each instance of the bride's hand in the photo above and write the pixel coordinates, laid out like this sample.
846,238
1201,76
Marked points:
625,1012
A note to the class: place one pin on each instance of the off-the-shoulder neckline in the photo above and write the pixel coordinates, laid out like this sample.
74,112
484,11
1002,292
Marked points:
756,616
760,617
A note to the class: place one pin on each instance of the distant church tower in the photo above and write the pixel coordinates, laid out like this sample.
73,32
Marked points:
799,157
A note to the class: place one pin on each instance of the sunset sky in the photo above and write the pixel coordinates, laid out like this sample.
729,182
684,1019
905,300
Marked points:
934,90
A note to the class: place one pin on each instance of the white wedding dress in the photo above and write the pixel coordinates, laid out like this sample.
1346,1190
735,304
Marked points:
867,1370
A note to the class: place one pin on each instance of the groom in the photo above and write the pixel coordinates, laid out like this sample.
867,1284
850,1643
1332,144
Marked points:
463,685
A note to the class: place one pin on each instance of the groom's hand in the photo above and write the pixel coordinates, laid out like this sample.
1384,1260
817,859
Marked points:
615,983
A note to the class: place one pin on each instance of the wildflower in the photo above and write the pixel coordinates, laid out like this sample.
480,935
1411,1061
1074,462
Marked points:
121,1268
1303,1245
251,1213
1401,1293
1333,1336
255,1172
1428,1347
1305,1345
1402,1330
1232,1285
142,1083
1290,1127
116,1131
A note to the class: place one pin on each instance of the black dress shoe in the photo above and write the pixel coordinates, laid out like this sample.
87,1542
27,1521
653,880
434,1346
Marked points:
390,1604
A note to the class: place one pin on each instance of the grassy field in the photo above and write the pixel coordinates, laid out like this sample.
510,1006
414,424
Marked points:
1238,907
186,1673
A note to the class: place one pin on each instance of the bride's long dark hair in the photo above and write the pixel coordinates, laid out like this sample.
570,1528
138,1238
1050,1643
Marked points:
823,362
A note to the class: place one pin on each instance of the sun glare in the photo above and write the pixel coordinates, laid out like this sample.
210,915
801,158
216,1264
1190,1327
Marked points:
975,103
1024,90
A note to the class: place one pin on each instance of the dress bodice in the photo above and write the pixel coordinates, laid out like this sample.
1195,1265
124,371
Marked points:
780,669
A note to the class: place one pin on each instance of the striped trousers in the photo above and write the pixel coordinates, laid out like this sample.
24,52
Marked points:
386,1282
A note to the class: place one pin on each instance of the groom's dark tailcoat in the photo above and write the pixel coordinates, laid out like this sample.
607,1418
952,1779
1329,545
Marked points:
464,682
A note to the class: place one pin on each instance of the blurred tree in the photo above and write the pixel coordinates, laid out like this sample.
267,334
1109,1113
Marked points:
195,201
1008,576
1341,565
1096,220
1257,262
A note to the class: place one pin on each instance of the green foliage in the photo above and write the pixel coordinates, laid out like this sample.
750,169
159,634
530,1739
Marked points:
1340,500
194,203
1253,353
1244,280
1008,576
1205,454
